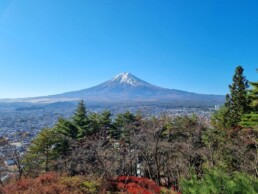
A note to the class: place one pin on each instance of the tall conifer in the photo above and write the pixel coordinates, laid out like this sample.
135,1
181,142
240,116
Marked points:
80,115
237,101
251,119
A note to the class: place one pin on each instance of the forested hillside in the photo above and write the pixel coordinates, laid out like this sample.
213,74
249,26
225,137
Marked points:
99,153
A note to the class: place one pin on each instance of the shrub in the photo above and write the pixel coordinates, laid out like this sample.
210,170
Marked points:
52,183
92,186
217,181
135,185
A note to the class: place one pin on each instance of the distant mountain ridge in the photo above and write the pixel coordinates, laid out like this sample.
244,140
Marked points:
126,87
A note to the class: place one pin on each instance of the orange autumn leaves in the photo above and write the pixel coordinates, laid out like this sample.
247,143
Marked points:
52,183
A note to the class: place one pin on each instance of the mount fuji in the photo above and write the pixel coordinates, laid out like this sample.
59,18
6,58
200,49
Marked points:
126,87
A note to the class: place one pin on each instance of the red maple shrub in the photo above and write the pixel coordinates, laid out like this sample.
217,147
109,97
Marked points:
46,183
135,185
51,183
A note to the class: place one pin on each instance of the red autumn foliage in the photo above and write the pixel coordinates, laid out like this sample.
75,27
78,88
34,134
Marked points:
46,183
52,183
49,183
136,185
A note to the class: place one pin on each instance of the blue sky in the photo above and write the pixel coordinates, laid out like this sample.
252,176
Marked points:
54,46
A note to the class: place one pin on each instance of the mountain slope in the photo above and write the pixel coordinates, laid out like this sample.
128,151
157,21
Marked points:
126,87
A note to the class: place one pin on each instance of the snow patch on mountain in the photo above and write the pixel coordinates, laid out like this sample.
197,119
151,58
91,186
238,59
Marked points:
128,78
126,87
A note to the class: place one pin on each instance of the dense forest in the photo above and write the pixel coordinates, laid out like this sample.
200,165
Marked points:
99,153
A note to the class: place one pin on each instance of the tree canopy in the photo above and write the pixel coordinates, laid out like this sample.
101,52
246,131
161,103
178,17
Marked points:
237,102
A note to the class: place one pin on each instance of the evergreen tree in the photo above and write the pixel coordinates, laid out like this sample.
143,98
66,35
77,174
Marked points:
80,119
216,181
237,102
253,95
251,119
41,152
94,125
124,123
106,122
80,115
67,128
220,119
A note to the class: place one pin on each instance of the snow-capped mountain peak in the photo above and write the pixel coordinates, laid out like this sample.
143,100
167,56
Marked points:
128,78
127,88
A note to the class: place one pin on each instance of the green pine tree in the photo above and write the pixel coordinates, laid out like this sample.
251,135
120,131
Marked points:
237,102
216,180
67,128
124,123
106,122
80,119
251,119
253,95
41,152
220,119
94,125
